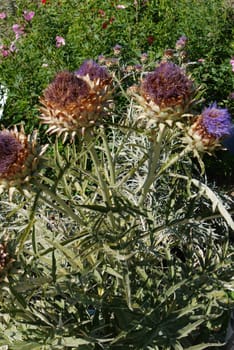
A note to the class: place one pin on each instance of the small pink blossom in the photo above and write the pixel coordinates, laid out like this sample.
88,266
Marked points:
5,52
28,15
60,41
12,47
3,15
232,63
121,7
18,30
201,60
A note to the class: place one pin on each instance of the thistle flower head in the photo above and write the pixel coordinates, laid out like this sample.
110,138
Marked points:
65,90
9,150
164,93
167,86
76,101
217,121
209,128
181,42
19,157
93,70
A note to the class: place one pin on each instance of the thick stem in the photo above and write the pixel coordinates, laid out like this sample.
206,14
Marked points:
154,154
105,190
109,158
174,160
103,186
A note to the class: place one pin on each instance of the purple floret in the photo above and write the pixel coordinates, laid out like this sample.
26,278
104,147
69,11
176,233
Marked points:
181,42
217,121
9,148
93,70
167,85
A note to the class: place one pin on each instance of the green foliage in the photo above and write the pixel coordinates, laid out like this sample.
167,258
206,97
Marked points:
92,28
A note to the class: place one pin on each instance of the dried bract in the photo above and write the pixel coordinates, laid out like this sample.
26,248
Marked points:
74,102
19,157
164,93
209,128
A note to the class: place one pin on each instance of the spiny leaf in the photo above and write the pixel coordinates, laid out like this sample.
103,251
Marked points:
216,202
189,328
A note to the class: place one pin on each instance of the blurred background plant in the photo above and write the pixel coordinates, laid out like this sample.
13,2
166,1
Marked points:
119,241
92,28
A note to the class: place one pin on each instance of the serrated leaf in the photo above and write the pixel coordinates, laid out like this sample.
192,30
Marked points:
74,342
173,288
189,328
216,202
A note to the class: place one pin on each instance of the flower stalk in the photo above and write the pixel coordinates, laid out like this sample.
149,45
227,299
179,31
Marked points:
110,162
154,155
105,189
174,160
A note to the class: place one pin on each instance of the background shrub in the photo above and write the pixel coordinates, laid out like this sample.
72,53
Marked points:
93,27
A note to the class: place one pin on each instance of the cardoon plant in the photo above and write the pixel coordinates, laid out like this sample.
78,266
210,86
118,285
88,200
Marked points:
120,243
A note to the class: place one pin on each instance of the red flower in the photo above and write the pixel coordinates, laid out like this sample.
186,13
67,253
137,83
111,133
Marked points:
110,21
104,25
43,1
150,39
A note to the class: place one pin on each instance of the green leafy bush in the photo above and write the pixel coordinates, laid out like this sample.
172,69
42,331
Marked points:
92,28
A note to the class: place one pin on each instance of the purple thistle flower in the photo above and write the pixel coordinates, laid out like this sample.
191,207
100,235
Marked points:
217,121
76,101
93,70
231,96
144,57
180,44
167,86
66,89
117,49
9,148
